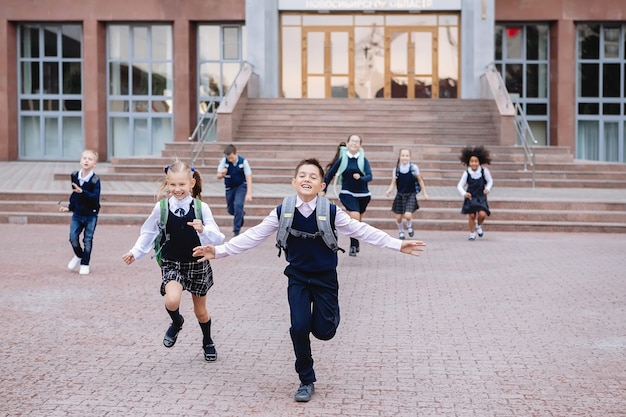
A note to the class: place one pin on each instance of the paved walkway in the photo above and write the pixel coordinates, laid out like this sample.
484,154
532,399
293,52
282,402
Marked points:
510,325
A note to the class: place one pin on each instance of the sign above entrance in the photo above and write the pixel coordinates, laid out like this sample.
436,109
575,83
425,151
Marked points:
369,5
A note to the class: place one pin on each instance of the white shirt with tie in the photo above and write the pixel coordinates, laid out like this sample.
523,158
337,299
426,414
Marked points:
211,234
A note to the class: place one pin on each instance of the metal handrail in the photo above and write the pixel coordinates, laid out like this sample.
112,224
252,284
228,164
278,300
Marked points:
211,126
524,133
203,131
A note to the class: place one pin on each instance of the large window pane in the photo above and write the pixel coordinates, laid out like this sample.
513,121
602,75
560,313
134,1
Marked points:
71,41
514,42
29,42
51,43
292,67
208,42
50,74
611,80
231,43
141,89
51,78
161,43
536,80
537,42
611,141
141,47
589,41
51,136
587,143
588,82
72,78
30,140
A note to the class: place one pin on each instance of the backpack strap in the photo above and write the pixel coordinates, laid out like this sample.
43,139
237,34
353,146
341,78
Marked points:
163,236
325,218
198,209
285,219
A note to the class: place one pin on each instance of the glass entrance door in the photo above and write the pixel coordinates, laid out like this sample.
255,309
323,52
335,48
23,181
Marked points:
327,62
411,67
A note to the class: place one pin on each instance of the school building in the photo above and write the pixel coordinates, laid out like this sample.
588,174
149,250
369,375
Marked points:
126,77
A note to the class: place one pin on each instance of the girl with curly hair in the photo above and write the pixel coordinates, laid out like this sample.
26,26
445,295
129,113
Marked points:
474,185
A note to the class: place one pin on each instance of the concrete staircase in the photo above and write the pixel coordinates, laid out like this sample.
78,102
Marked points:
275,134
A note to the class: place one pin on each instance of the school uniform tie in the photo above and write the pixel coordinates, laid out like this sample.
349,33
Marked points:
180,212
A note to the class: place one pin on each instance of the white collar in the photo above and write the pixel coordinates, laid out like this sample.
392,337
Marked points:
86,177
183,204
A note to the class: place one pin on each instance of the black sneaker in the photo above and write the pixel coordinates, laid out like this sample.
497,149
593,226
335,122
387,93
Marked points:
171,334
210,354
353,251
304,393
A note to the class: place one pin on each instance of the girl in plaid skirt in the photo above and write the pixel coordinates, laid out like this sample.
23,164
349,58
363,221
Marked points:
407,180
185,229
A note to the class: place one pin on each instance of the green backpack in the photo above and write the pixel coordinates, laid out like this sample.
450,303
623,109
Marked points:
163,236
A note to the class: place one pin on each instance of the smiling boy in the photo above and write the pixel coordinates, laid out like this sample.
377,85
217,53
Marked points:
312,269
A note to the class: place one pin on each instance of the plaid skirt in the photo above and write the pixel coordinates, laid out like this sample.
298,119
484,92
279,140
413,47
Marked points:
195,277
405,203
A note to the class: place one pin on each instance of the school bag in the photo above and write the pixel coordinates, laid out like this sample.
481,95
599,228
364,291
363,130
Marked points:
325,229
163,236
418,187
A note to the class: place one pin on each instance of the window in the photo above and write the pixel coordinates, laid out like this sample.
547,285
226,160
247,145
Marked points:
50,100
140,84
601,92
221,51
522,56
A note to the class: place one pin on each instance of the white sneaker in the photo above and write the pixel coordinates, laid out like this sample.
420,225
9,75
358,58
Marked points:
84,270
479,230
73,263
472,236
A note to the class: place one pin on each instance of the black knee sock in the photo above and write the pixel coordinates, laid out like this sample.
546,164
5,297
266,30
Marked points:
206,333
177,319
354,242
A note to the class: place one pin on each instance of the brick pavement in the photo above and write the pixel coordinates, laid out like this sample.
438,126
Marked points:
511,325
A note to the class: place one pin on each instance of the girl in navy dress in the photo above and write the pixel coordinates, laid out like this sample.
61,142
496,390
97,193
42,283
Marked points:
407,180
180,270
353,172
474,185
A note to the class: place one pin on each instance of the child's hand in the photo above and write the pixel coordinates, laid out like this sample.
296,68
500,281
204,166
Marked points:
468,195
486,191
64,209
412,247
356,175
248,197
196,224
387,193
207,252
425,195
76,188
128,258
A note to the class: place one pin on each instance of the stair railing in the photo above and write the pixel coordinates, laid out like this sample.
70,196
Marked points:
210,129
202,132
507,103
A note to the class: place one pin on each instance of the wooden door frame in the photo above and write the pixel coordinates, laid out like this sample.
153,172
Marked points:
433,30
327,30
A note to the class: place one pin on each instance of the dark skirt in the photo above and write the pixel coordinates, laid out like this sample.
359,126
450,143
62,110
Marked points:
475,204
405,203
195,277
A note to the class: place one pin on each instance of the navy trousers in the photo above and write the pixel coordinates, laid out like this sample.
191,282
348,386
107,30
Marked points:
314,308
235,199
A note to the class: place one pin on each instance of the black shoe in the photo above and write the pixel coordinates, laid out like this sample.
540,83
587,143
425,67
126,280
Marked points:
235,233
210,354
304,393
353,251
171,334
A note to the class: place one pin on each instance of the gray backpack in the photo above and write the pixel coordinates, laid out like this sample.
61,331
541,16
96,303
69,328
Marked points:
324,227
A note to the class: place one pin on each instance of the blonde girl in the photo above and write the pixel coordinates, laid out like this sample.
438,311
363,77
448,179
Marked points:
405,179
179,269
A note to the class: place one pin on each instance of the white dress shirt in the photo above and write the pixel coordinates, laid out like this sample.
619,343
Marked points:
211,234
475,175
344,225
